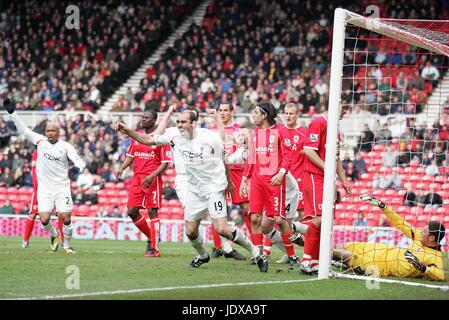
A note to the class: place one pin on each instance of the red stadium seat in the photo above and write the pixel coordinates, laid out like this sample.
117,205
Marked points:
82,210
120,186
420,170
110,185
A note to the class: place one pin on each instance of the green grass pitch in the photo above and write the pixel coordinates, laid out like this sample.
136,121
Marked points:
118,270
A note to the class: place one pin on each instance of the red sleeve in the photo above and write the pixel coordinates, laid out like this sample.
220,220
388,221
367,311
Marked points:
286,149
313,136
166,154
130,149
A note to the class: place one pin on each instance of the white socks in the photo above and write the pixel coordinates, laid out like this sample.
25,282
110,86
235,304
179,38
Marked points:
275,237
225,245
197,244
240,238
67,230
49,227
300,227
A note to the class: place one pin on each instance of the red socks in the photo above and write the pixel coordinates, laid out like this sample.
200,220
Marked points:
60,225
288,244
257,239
267,244
312,243
142,224
247,219
28,229
155,232
216,237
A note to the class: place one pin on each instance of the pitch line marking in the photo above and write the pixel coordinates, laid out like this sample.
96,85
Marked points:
204,286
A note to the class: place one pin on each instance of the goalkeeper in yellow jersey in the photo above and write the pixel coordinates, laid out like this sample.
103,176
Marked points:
422,259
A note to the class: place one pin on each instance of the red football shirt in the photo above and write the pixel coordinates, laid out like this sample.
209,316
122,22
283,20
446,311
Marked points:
294,138
148,158
316,139
268,154
231,134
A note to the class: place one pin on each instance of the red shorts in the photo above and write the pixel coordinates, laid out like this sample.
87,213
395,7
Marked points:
301,195
148,198
236,178
33,209
313,194
268,197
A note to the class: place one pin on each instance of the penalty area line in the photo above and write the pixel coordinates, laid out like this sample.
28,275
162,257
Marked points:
204,286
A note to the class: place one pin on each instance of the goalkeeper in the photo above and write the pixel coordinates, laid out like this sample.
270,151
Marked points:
422,259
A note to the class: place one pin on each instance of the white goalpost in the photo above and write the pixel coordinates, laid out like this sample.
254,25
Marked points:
371,58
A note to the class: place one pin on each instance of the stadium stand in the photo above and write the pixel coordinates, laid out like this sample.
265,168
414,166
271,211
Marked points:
57,68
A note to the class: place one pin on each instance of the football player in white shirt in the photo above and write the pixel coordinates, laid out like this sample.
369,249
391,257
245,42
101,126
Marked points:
201,151
181,178
52,175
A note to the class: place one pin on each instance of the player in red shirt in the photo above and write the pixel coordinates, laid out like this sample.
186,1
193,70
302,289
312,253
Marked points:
267,164
29,225
313,183
146,186
294,138
296,135
231,132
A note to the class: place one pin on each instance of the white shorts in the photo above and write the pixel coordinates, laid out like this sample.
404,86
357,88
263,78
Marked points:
60,200
198,206
181,188
291,198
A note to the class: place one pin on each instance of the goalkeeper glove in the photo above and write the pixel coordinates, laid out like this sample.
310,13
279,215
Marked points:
8,105
374,201
74,173
414,261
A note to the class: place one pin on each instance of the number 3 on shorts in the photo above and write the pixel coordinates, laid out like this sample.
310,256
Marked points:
276,203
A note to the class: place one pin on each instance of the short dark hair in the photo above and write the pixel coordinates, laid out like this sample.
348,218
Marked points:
270,111
195,113
192,115
437,230
231,106
153,113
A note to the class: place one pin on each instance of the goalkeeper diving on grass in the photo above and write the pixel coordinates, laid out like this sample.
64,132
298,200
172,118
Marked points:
421,259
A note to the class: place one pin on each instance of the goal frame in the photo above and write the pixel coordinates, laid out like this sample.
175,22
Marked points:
342,18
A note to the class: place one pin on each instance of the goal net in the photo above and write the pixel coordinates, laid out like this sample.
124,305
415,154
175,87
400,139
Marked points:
391,74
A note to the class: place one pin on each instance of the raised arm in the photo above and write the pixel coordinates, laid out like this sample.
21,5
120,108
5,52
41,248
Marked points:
26,132
139,137
213,114
163,124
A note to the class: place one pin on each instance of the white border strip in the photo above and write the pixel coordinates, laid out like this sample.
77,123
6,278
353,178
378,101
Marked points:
205,286
407,283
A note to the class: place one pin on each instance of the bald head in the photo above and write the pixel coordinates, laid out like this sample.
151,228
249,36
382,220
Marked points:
52,132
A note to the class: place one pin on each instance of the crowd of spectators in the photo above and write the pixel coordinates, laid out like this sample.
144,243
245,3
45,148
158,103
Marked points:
280,51
244,51
47,65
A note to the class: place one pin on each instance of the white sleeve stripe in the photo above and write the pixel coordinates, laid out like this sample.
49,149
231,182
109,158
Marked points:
129,155
307,147
167,161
